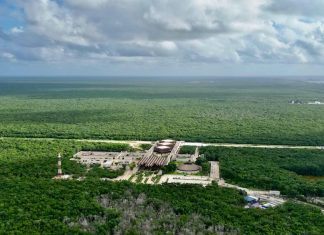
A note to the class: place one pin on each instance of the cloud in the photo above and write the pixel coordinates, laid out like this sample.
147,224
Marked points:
8,56
87,4
304,8
206,31
17,30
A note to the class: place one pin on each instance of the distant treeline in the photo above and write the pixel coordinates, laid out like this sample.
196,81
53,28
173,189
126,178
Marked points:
210,110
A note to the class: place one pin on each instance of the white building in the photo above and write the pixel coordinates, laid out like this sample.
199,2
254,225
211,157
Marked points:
107,159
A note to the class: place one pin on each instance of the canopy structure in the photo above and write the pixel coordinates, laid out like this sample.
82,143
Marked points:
152,161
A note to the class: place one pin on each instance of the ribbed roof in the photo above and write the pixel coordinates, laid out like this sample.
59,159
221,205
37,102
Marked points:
151,161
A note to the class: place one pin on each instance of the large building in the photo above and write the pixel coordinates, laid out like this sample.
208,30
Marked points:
161,153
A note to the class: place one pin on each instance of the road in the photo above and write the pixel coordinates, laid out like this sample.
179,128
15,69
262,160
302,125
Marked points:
135,143
252,145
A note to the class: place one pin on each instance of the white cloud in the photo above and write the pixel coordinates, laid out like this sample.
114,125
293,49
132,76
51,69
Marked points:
17,30
215,31
8,56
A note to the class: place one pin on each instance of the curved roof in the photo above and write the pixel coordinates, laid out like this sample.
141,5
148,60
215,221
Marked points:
168,141
165,144
163,147
188,167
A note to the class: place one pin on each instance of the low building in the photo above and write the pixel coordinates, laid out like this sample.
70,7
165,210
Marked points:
107,159
188,168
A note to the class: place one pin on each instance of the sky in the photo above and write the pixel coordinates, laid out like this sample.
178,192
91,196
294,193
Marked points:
162,37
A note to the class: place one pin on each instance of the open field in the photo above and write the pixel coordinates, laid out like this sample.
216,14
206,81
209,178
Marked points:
230,110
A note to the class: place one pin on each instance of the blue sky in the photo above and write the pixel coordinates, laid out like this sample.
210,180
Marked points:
162,37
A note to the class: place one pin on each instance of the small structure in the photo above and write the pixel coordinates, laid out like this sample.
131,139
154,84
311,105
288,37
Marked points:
295,102
189,168
59,165
60,175
274,193
251,199
267,205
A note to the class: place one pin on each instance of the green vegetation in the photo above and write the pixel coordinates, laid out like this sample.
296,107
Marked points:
187,150
171,167
37,158
156,178
132,165
108,147
237,110
33,203
205,165
210,110
280,169
140,177
98,172
145,146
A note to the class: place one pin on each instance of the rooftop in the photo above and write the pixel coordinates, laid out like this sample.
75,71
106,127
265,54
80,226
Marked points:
188,167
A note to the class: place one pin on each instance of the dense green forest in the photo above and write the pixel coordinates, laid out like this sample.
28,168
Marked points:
187,149
277,169
232,110
237,110
32,203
